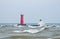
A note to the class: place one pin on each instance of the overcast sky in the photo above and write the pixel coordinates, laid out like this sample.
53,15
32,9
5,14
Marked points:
33,10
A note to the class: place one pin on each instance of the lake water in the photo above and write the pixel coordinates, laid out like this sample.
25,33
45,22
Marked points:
6,32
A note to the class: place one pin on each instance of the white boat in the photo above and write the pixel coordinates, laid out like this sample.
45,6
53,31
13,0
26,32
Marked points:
40,24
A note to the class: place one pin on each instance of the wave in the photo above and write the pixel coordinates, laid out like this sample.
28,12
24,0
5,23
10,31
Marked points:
31,30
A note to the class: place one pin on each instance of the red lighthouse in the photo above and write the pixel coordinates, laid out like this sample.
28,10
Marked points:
22,19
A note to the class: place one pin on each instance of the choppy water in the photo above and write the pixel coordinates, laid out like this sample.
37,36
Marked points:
6,32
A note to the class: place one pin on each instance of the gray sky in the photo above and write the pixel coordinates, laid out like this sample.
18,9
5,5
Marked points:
33,10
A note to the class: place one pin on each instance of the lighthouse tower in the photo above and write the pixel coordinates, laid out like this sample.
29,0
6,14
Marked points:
22,20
